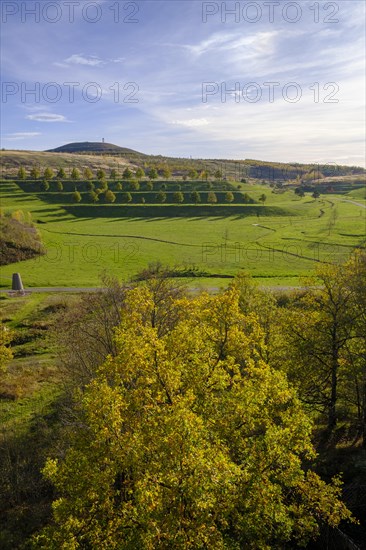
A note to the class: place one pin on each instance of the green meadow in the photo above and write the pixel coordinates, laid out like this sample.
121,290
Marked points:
277,243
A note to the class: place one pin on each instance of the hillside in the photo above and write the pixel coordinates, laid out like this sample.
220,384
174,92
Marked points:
93,147
107,156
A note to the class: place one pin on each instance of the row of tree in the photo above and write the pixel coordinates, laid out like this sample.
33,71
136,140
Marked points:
127,174
161,197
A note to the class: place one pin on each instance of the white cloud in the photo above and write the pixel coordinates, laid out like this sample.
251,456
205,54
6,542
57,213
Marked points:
22,135
81,59
192,122
47,117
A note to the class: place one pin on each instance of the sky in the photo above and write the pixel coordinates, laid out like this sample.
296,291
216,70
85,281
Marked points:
273,80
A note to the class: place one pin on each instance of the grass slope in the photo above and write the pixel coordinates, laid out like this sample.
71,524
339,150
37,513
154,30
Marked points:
281,241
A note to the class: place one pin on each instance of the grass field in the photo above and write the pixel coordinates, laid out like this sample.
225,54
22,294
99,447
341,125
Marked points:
277,243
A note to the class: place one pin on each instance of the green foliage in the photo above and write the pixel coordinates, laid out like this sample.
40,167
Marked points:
48,173
195,197
134,185
5,350
76,197
186,438
59,185
229,197
101,175
90,186
45,186
61,173
127,174
35,173
126,197
113,174
19,239
211,197
193,174
94,197
109,196
178,197
161,197
88,174
263,198
22,173
75,174
119,186
153,174
139,173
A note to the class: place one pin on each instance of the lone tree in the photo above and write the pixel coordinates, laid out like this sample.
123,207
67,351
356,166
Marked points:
263,198
195,197
76,197
109,196
75,174
59,185
94,197
186,438
22,173
139,173
101,175
35,173
126,197
153,174
61,173
161,196
193,174
48,173
178,197
211,197
88,174
45,186
127,174
229,197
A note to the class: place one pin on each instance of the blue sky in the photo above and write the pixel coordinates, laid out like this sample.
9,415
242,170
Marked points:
278,80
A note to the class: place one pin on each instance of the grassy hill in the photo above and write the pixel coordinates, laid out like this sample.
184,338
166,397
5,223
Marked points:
108,156
93,147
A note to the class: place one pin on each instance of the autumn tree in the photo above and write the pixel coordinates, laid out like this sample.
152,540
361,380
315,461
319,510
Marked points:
318,332
187,439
